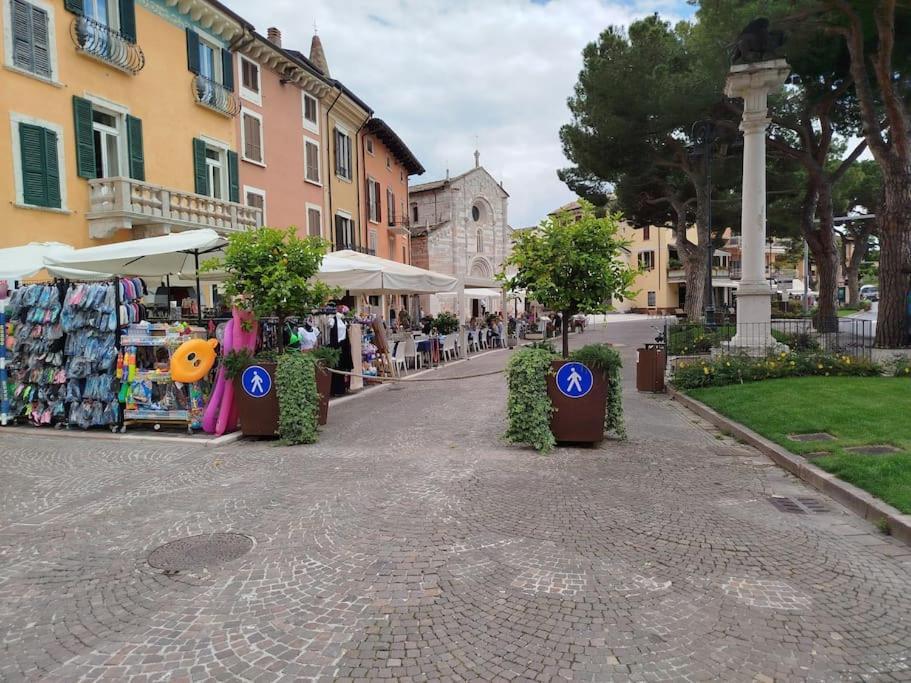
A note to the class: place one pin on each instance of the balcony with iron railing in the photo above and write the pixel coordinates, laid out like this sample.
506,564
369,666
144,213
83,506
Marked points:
99,41
124,204
214,96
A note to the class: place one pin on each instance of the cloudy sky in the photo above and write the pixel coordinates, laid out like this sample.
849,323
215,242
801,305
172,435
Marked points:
443,73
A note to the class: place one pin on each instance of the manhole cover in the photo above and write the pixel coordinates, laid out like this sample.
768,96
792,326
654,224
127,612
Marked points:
816,454
815,436
800,506
873,450
205,550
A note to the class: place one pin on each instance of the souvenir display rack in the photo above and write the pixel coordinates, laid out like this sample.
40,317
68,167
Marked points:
149,394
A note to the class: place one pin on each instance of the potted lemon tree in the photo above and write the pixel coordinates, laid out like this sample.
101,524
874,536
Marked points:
271,272
572,263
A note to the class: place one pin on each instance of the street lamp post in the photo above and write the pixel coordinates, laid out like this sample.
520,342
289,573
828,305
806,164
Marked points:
704,134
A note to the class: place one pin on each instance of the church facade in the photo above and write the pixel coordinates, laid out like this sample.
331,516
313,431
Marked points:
459,227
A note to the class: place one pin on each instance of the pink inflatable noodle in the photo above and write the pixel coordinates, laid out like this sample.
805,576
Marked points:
210,417
242,339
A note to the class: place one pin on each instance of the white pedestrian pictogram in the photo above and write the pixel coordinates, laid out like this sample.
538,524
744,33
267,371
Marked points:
575,379
256,384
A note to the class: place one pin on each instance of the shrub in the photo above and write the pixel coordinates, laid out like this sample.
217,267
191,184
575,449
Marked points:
797,341
327,356
528,408
298,400
445,323
693,338
603,358
899,366
734,369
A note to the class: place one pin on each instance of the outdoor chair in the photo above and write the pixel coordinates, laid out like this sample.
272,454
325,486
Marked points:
398,358
473,343
449,347
411,351
482,338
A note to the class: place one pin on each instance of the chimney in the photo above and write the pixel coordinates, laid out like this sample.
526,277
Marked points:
318,56
274,36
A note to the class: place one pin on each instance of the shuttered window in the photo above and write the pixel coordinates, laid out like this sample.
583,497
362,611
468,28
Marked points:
314,222
311,161
31,38
344,232
40,166
342,155
311,112
253,137
373,200
390,206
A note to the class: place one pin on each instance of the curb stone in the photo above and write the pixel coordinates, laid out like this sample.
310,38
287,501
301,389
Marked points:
855,499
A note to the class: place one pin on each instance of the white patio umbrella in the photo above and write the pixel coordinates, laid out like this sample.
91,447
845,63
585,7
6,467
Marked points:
20,263
178,252
375,275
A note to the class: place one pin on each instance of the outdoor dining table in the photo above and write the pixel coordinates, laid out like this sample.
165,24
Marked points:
431,346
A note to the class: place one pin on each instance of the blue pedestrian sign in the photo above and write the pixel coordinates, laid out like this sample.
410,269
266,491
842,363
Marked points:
256,381
574,380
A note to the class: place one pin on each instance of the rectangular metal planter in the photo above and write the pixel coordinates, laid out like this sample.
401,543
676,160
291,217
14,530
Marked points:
577,420
258,416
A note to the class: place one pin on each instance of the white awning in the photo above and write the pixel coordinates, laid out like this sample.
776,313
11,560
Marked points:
168,254
21,263
481,293
375,275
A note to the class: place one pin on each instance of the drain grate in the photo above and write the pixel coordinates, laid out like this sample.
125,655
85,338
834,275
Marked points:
813,436
873,450
800,506
196,552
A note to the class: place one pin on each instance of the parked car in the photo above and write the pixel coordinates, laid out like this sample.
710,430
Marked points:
869,292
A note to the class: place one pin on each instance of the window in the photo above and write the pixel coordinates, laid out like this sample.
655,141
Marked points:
390,206
106,136
368,144
252,136
215,170
371,241
374,210
344,231
342,154
646,232
28,44
37,159
414,213
391,246
311,112
475,213
651,303
647,260
311,161
480,241
98,10
314,220
250,81
401,176
404,254
213,66
256,198
388,162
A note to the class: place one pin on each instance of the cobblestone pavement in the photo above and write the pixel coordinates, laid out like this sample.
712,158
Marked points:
410,543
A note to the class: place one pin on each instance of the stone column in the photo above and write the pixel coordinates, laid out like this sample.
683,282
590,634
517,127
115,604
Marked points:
752,83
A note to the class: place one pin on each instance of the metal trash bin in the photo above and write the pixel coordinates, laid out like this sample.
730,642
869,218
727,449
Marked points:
650,363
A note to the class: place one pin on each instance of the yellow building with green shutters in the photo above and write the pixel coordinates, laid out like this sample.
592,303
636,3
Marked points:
119,120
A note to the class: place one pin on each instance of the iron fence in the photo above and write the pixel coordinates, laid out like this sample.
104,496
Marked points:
848,336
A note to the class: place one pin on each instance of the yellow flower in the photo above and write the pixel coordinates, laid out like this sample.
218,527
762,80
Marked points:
705,370
729,365
847,361
793,364
907,370
827,374
819,367
682,365
783,354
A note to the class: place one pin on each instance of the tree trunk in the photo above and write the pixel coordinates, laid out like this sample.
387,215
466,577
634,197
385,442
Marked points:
852,265
894,260
565,333
826,256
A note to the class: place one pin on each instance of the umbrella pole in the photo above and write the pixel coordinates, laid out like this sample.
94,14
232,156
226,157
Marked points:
167,279
198,293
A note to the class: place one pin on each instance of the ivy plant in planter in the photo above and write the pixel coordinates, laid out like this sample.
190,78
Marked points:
572,263
298,398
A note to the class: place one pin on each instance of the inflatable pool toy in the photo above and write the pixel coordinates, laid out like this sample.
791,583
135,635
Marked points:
193,359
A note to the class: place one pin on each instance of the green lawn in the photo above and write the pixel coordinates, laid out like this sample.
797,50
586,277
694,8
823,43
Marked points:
856,410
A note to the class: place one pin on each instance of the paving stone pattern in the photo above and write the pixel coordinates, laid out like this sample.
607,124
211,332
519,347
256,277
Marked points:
412,544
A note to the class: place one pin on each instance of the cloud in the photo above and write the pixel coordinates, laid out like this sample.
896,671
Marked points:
441,72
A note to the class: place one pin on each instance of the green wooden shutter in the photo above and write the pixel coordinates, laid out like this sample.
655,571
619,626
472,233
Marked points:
85,138
201,178
52,168
23,56
41,48
74,6
227,69
233,177
192,51
127,19
34,172
338,153
134,145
